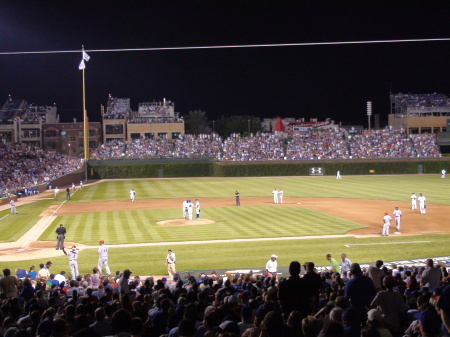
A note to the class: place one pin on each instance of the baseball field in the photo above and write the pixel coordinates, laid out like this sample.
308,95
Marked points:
319,215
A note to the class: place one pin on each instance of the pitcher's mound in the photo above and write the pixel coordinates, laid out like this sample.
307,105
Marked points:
183,222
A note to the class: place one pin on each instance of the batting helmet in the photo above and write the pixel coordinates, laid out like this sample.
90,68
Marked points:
101,242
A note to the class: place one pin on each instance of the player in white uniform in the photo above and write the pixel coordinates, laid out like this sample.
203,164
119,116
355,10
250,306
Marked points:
103,257
443,172
338,175
170,262
398,218
422,206
190,205
280,195
56,192
197,209
184,208
13,207
132,195
81,184
386,224
414,201
73,261
275,196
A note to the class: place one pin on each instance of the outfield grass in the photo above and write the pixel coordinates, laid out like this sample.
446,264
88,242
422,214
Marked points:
359,187
253,255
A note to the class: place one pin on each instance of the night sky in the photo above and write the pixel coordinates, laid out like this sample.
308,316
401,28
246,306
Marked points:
299,81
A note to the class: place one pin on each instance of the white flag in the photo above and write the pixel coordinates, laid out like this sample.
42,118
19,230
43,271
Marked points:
82,65
86,57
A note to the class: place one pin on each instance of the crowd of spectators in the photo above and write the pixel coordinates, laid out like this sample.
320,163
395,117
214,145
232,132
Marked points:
24,168
317,144
377,301
117,108
422,100
262,146
425,145
152,120
158,108
303,145
383,143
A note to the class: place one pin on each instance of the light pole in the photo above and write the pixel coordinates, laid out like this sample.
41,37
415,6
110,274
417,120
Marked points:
213,127
248,123
369,111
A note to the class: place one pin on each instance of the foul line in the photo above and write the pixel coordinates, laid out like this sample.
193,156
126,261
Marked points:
38,228
4,217
384,243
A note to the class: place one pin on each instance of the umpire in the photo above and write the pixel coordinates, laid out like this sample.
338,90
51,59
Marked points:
61,232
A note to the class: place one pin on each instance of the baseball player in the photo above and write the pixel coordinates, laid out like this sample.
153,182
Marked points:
81,184
185,208
73,261
60,236
338,175
275,196
13,207
132,195
414,201
56,192
190,205
398,217
443,172
170,263
103,257
197,209
386,224
422,205
280,195
237,196
73,187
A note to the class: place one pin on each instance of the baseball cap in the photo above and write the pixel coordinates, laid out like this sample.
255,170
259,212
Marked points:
374,315
164,280
74,247
275,256
127,271
429,317
228,326
386,213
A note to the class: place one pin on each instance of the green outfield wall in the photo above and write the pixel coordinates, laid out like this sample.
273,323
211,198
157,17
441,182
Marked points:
173,168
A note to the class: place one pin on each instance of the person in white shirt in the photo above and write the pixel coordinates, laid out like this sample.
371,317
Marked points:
338,175
132,194
170,262
345,263
422,206
60,277
398,217
272,265
443,172
275,196
414,201
280,195
103,257
386,224
197,209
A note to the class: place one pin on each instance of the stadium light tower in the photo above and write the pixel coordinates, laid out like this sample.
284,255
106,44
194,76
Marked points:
369,111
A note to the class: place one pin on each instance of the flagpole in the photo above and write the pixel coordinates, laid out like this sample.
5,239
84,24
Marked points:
85,144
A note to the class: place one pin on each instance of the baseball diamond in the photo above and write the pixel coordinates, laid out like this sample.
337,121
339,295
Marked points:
319,214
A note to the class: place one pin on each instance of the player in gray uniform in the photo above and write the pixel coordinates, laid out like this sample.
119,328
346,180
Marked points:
61,235
398,218
103,257
386,224
73,261
190,205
